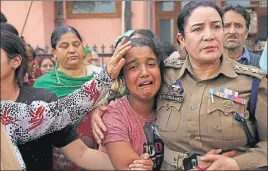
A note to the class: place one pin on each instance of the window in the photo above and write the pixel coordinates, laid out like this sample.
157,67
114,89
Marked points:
263,4
166,30
93,9
166,13
184,2
166,6
244,3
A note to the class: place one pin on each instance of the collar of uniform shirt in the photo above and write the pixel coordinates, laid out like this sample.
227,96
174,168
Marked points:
226,68
245,55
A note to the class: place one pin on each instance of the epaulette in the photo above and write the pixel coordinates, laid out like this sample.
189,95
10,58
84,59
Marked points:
249,70
174,64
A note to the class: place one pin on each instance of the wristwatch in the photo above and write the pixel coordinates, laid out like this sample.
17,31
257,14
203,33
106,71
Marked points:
191,161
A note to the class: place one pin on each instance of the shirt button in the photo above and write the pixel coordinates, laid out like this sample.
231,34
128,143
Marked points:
199,84
226,110
192,136
167,106
193,107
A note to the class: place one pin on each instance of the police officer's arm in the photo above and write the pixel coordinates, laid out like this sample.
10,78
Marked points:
257,157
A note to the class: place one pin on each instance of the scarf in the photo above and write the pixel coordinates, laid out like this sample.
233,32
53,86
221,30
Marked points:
61,85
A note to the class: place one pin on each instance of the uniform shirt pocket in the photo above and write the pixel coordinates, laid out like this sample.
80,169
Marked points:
220,120
168,115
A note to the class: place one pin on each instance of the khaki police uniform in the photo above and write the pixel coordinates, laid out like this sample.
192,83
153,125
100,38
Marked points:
195,122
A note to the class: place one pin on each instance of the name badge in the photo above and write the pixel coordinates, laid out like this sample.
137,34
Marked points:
177,98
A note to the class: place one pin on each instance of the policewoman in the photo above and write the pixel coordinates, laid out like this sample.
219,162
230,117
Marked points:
204,104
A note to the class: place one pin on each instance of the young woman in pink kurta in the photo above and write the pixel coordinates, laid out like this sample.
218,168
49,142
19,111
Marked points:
130,120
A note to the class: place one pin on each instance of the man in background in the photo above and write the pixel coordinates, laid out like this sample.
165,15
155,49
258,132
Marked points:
236,27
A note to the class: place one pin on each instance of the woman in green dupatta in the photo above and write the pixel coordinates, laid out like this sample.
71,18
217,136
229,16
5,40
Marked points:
69,74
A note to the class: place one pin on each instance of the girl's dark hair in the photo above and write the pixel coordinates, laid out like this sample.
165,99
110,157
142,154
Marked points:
58,32
10,28
119,40
14,46
153,44
189,8
145,32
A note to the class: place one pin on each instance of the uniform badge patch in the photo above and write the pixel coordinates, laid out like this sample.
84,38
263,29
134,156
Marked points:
176,88
174,92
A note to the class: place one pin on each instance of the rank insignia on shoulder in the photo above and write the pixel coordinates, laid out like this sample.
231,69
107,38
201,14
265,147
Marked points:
180,62
174,92
258,71
249,68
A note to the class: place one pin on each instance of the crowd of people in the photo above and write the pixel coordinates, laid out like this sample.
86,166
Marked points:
201,104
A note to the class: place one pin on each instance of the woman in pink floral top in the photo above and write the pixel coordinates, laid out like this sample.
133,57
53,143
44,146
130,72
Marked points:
24,122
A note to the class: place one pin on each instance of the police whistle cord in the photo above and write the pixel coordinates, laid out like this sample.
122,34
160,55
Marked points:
242,120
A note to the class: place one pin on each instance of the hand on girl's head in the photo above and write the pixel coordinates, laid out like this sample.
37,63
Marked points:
117,61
